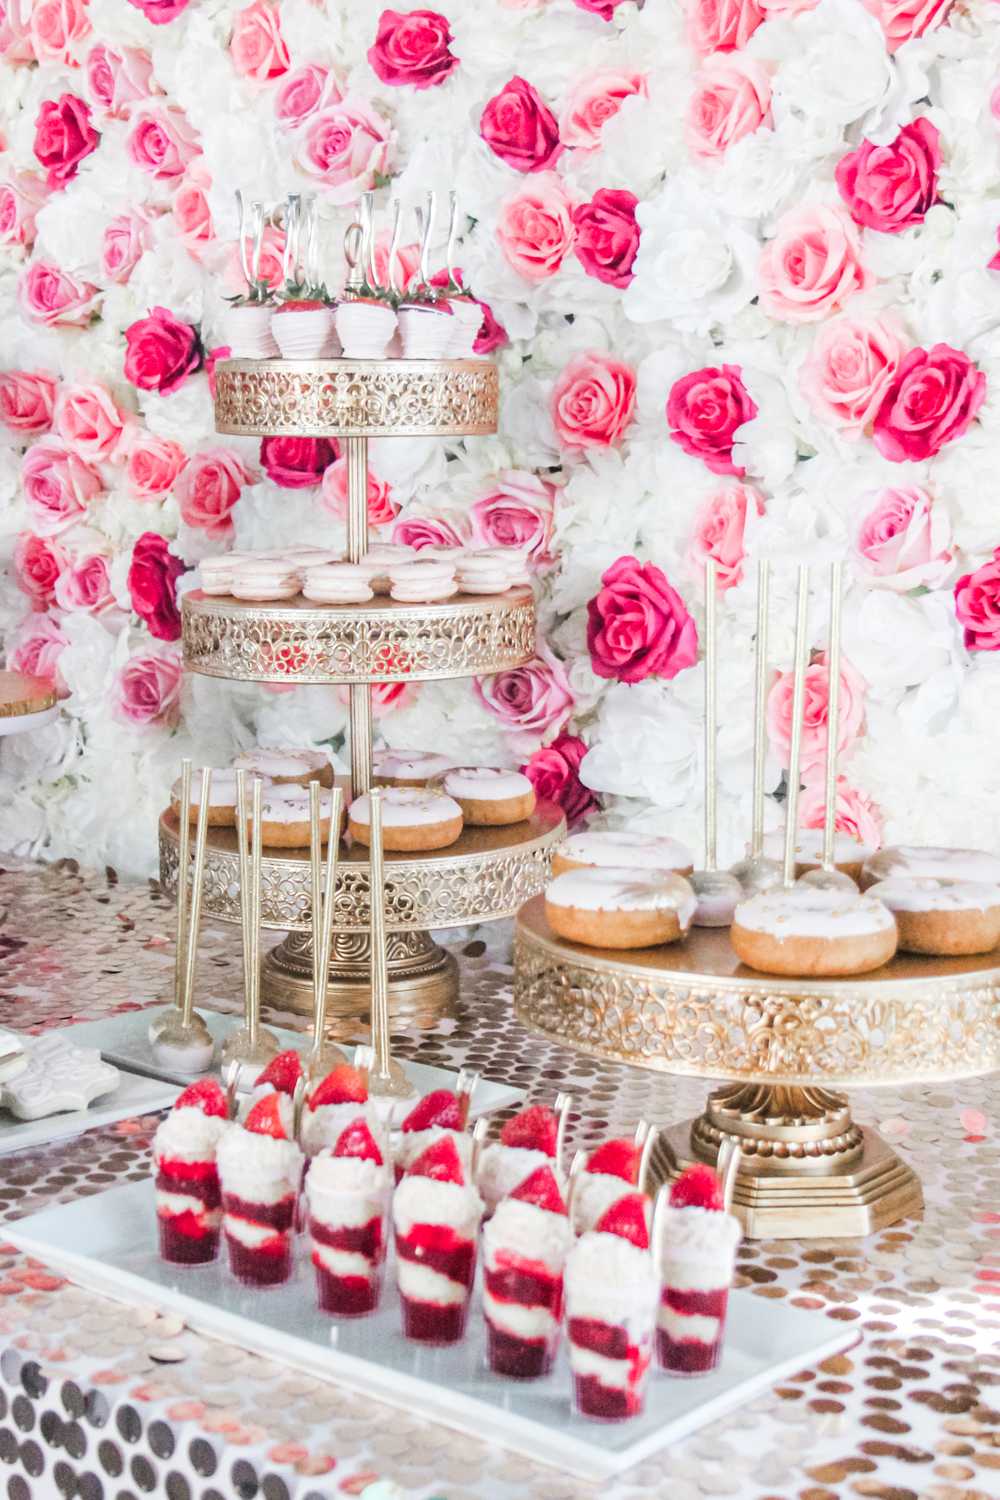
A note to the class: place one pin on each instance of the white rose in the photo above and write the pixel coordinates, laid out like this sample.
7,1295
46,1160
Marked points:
896,642
646,745
832,67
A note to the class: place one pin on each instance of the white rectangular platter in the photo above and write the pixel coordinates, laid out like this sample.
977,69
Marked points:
133,1096
113,1250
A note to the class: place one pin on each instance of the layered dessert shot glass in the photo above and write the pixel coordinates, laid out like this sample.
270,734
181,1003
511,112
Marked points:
436,1214
696,1249
188,1198
347,1192
525,1245
609,1172
260,1167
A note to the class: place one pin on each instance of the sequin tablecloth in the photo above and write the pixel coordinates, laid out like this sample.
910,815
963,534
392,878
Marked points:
101,1402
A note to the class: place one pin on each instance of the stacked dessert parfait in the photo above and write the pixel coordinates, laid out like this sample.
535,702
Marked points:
525,1245
188,1198
696,1247
260,1167
347,1190
436,1213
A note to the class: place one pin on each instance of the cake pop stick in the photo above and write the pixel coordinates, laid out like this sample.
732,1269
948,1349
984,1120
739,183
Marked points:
717,891
184,1042
248,1048
795,747
758,872
386,1079
828,877
324,1056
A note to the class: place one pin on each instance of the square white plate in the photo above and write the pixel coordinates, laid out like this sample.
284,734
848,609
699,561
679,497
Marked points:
132,1096
113,1250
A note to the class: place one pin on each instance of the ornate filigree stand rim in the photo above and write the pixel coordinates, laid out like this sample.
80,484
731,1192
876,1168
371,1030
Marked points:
423,979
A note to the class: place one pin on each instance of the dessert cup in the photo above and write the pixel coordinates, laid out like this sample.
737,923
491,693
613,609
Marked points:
259,1176
188,1198
698,1247
436,1218
364,328
248,331
305,333
348,1206
525,1245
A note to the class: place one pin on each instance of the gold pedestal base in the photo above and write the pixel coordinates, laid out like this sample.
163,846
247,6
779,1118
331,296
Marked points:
423,978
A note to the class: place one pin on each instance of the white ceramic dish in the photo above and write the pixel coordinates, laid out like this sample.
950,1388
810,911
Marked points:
114,1251
133,1096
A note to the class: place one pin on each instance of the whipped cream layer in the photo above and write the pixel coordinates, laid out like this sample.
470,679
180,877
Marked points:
423,1200
258,1168
697,1248
347,1191
408,1145
612,1280
188,1135
526,1230
688,1327
325,1125
503,1168
593,1195
808,911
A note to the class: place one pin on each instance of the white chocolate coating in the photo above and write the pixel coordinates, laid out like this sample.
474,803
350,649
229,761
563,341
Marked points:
486,783
809,911
407,807
623,890
941,864
410,765
277,762
291,805
922,893
640,851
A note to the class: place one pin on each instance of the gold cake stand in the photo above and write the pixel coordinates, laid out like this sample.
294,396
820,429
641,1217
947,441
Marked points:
786,1048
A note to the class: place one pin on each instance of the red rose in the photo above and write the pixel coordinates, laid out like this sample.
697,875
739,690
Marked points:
297,463
977,605
704,410
519,127
932,400
161,352
638,626
64,136
890,188
152,586
412,47
554,772
607,236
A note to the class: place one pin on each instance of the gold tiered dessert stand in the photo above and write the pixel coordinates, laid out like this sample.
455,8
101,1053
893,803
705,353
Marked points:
786,1048
489,872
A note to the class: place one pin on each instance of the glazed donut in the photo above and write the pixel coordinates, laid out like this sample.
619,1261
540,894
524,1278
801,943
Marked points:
810,930
413,819
264,579
286,767
284,817
619,908
221,798
848,854
488,797
337,583
949,918
407,767
641,851
936,864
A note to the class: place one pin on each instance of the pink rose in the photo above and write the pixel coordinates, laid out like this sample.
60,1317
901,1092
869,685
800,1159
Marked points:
412,47
492,334
852,711
904,541
37,565
15,32
516,513
89,422
607,236
58,485
773,9
812,266
977,606
301,93
718,532
382,507
257,47
147,690
212,357
84,585
535,227
890,188
118,78
901,20
592,100
297,463
346,146
638,626
421,530
720,25
161,142
405,264
160,12
593,401
152,586
532,702
21,196
271,271
519,127
704,412
854,813
191,214
731,99
209,486
603,8
554,772
933,399
56,28
35,648
849,369
126,239
27,400
50,296
161,352
153,465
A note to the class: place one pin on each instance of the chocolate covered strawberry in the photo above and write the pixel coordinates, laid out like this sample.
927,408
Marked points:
438,1115
698,1241
347,1193
525,1245
303,326
436,1214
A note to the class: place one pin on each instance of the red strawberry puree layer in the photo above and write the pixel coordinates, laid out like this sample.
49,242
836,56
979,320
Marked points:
349,1296
259,1170
536,1291
189,1237
437,1248
593,1397
268,1260
686,1351
524,1251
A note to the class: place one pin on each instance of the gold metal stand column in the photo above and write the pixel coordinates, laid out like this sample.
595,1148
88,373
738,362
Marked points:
423,978
360,700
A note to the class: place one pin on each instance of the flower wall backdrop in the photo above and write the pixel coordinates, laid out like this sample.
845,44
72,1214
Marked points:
739,267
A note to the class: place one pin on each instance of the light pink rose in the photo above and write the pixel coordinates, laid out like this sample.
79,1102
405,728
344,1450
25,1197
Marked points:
147,690
257,47
126,239
854,813
192,215
161,142
15,32
209,487
153,465
38,561
50,296
812,266
345,146
775,9
902,20
27,400
718,532
731,99
593,401
382,507
414,529
119,78
516,513
532,702
720,25
57,26
535,227
302,92
84,585
852,711
904,541
592,100
272,249
58,485
89,423
406,262
849,369
35,648
21,196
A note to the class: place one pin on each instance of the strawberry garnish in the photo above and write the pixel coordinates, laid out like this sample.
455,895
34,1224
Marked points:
541,1189
627,1218
345,1085
282,1072
265,1118
207,1095
439,1161
438,1108
357,1140
616,1159
697,1187
534,1129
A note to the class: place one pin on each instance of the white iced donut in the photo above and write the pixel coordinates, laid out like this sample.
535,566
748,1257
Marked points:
619,908
936,864
286,767
421,582
337,583
264,580
285,817
943,917
640,851
408,767
412,819
490,798
810,930
221,798
848,854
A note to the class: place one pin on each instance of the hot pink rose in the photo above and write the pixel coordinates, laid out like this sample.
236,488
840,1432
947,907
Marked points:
297,463
718,532
126,240
720,25
386,696
412,47
704,412
147,690
532,702
15,32
161,142
731,99
212,358
21,196
901,20
812,266
152,586
890,188
933,399
257,47
58,485
345,146
535,227
854,813
492,334
191,213
904,541
554,772
593,401
84,585
271,270
161,352
852,711
27,400
603,8
57,26
118,78
209,486
35,648
638,626
516,513
592,100
519,127
382,507
416,529
38,561
50,296
607,236
89,423
977,606
849,369
153,465
301,93
160,12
